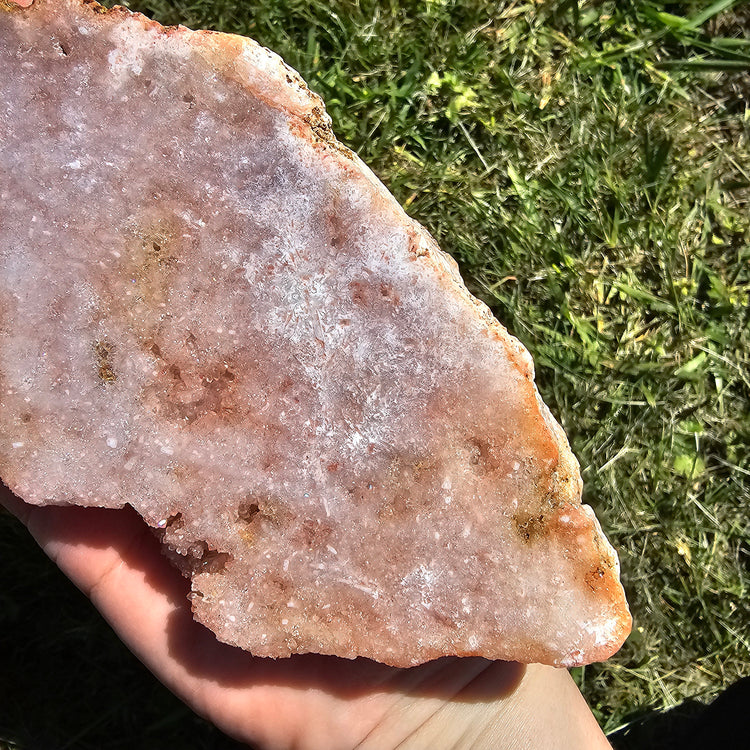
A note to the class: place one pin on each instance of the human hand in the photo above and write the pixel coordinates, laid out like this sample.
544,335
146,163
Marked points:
306,701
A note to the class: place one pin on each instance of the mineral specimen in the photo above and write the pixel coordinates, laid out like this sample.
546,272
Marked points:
213,311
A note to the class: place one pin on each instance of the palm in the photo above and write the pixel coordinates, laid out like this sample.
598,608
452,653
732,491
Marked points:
303,702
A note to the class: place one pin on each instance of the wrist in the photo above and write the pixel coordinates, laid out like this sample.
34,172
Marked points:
497,705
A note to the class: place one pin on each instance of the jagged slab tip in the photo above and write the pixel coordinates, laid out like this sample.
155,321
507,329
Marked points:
213,311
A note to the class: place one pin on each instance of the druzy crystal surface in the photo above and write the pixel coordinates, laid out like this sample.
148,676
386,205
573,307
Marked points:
214,312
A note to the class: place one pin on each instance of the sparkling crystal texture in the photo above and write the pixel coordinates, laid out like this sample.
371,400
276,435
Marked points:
213,311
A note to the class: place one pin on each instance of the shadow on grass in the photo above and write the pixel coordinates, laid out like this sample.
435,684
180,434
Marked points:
725,723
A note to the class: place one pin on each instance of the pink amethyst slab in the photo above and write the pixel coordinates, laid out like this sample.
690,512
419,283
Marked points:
214,312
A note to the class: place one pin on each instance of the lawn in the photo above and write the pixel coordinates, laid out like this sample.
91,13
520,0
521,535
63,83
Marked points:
588,165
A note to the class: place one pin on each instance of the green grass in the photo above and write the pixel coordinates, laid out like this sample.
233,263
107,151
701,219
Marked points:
588,165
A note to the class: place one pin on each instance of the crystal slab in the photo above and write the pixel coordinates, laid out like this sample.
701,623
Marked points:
213,311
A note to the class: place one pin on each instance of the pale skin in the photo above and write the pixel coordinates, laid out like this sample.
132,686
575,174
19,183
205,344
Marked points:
306,702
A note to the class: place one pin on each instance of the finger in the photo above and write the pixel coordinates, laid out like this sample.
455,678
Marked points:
85,542
113,557
14,505
305,701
